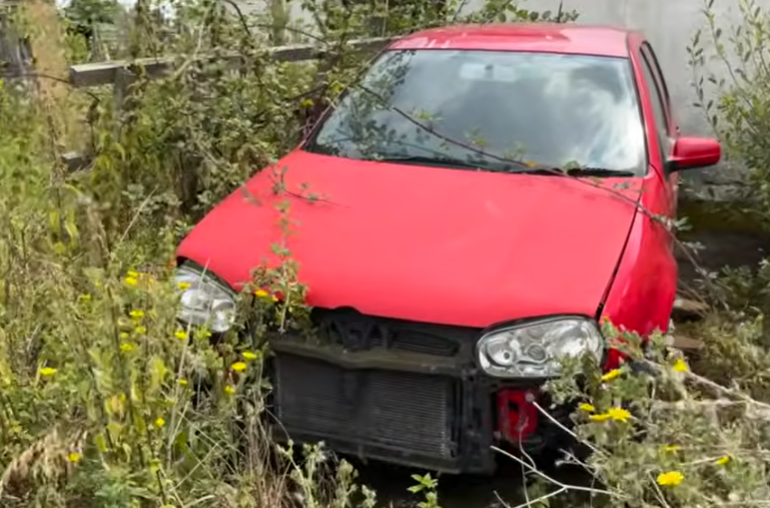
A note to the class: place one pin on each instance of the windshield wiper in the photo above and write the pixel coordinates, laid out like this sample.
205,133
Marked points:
587,171
443,161
599,172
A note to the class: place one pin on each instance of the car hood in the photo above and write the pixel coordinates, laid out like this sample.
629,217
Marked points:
428,244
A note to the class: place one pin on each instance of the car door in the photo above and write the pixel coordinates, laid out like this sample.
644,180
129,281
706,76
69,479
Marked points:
644,303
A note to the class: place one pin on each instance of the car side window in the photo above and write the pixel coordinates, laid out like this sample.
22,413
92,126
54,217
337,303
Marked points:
659,111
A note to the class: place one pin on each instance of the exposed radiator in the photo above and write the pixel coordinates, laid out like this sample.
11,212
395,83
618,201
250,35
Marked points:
398,411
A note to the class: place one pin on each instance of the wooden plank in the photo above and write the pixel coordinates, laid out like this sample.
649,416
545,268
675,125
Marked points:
124,78
688,310
75,161
105,73
685,344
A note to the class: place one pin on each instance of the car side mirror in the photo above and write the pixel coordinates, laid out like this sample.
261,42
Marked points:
691,153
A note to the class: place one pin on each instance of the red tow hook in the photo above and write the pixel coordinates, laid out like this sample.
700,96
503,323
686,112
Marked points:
518,416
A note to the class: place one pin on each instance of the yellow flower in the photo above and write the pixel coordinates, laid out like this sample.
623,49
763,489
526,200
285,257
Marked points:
160,422
141,330
248,355
721,461
74,457
609,376
619,414
137,314
671,448
588,408
261,293
183,285
670,478
229,390
127,347
600,417
182,382
132,273
131,281
238,366
180,334
680,366
124,335
85,298
47,371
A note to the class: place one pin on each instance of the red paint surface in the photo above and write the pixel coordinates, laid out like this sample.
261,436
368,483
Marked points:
428,244
542,37
695,152
642,296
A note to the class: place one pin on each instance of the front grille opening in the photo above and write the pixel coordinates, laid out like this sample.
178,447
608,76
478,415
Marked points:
399,411
422,342
356,332
377,337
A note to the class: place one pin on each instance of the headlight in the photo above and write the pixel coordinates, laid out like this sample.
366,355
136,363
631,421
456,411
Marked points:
204,301
535,349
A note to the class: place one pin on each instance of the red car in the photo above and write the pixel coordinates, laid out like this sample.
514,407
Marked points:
492,192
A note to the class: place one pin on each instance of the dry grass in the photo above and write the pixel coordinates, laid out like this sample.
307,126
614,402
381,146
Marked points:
50,459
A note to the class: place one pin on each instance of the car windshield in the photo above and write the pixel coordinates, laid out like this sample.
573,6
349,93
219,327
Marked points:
493,110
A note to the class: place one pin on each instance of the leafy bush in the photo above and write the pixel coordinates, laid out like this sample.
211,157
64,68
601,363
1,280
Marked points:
730,78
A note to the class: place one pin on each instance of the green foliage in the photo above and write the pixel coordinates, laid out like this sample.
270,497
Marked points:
428,486
730,81
90,12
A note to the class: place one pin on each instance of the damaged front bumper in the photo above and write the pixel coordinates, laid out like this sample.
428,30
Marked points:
401,392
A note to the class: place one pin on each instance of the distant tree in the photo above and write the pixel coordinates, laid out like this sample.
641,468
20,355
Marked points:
92,11
84,15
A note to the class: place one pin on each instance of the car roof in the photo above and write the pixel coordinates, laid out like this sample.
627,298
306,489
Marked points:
538,37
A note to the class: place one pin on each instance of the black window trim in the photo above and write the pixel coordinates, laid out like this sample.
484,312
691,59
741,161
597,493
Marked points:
649,56
662,139
639,107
